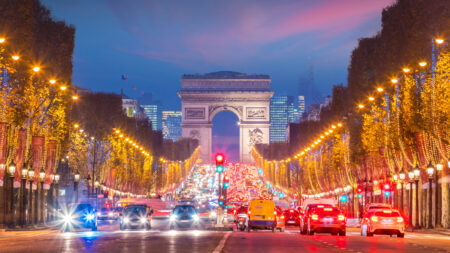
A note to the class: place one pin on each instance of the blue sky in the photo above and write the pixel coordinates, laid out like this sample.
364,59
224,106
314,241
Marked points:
154,42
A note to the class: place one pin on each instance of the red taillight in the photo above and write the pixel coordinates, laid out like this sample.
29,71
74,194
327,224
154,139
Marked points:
315,217
374,218
328,209
320,206
341,217
282,217
275,212
399,219
291,211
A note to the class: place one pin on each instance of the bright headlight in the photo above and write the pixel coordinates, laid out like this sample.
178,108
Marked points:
213,213
90,216
126,220
143,220
68,218
195,217
172,217
99,213
110,214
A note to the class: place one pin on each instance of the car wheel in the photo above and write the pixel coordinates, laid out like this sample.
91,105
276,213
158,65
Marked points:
369,234
148,227
342,233
401,235
248,229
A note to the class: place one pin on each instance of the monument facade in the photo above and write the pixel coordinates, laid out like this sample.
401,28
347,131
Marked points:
247,96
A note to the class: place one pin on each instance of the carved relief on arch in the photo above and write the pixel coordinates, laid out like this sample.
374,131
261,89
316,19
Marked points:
214,109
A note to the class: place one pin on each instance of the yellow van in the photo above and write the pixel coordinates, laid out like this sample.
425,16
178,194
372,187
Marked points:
261,215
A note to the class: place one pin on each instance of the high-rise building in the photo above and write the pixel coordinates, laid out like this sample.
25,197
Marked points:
154,114
281,114
301,107
171,124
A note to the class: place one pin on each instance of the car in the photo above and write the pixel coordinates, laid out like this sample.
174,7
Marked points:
79,216
184,216
207,214
280,219
307,213
106,214
262,215
382,221
374,206
135,217
118,211
292,217
326,220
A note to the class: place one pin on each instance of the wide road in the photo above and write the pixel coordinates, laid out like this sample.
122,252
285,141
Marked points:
110,239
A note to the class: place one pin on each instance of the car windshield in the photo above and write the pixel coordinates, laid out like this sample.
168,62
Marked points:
242,209
84,208
291,212
184,209
135,210
104,210
387,214
379,207
119,209
328,211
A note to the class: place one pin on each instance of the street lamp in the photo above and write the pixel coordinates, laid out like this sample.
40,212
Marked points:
11,171
439,169
57,177
402,178
23,192
41,194
30,202
416,178
430,171
411,179
75,185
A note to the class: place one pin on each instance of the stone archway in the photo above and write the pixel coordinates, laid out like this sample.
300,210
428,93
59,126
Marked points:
247,96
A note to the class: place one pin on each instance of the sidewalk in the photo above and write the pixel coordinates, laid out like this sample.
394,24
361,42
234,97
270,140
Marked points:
48,226
440,231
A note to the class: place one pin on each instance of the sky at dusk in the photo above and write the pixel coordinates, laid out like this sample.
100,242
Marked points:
154,42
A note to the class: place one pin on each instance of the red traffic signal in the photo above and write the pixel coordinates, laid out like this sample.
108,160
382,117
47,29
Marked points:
108,206
387,187
359,189
226,178
219,158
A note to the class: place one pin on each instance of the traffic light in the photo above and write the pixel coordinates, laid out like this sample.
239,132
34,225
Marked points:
220,159
360,195
387,193
105,194
359,190
221,201
226,182
344,198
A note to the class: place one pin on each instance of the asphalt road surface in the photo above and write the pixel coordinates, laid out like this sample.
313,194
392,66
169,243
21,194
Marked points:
110,239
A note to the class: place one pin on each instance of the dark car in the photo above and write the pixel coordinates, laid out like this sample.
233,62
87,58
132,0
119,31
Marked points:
307,213
106,214
184,216
135,217
326,220
291,217
79,216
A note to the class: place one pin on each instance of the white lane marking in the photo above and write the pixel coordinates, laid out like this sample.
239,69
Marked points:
222,243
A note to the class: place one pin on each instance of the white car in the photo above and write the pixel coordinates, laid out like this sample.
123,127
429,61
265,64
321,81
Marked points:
382,221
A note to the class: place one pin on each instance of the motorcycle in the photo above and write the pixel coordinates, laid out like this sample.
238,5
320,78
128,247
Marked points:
242,222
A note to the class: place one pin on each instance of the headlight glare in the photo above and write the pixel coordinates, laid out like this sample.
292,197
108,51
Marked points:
90,216
126,220
172,217
143,220
68,218
195,217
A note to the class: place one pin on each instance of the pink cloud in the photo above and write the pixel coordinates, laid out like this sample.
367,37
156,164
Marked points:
225,32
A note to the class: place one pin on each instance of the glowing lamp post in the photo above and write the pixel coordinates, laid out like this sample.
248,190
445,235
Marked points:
430,171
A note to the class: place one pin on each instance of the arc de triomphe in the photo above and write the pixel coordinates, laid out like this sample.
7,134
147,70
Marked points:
247,96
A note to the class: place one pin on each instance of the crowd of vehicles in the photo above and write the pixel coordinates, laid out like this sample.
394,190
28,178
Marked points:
249,207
